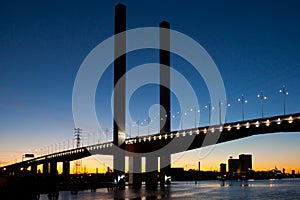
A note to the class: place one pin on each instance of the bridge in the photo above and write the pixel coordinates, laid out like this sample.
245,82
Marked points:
148,146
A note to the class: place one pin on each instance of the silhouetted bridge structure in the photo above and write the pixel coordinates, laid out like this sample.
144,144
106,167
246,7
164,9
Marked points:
146,144
151,146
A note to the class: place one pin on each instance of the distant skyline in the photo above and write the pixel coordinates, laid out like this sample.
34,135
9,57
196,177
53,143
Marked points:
254,44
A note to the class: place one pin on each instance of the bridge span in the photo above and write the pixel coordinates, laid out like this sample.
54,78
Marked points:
196,137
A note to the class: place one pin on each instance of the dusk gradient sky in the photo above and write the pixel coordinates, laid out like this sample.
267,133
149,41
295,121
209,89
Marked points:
255,45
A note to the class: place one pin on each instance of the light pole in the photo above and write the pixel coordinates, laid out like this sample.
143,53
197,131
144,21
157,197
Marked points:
220,112
228,105
130,124
196,111
138,126
149,120
263,98
185,114
284,94
209,110
243,109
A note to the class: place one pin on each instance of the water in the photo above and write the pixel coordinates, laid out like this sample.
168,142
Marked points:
252,189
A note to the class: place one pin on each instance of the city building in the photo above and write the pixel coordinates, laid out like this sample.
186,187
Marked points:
243,164
246,162
234,165
223,168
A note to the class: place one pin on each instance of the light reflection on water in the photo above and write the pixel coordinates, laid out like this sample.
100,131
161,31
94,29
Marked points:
252,189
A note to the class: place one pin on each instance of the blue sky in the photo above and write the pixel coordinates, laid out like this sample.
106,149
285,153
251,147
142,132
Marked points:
255,45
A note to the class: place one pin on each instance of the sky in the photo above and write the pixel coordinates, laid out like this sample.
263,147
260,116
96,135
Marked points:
254,44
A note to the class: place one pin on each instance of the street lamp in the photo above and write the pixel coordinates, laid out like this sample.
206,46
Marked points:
220,111
130,126
284,94
196,111
209,110
138,126
149,120
263,98
243,101
228,105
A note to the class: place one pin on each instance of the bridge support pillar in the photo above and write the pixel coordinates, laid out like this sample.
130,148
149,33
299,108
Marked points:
66,167
45,168
33,168
119,164
135,169
119,126
151,172
53,168
165,169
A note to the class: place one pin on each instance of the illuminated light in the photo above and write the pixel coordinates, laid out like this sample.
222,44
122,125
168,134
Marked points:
221,128
134,140
140,139
228,128
191,132
205,131
290,119
149,138
183,134
144,139
166,136
173,116
212,130
191,109
154,137
247,125
171,135
238,126
278,121
268,123
257,124
197,132
177,134
159,137
198,111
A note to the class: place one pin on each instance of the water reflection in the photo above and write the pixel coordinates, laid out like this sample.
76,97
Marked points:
251,189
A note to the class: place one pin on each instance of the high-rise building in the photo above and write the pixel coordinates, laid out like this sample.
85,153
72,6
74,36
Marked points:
223,168
246,162
234,165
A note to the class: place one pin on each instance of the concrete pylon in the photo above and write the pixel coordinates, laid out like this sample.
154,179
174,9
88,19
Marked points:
164,76
33,168
165,94
66,168
53,168
120,80
46,168
135,171
151,172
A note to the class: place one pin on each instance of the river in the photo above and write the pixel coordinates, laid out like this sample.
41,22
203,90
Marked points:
251,189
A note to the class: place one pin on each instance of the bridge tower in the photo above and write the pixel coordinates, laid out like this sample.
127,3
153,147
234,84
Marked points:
120,79
165,94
